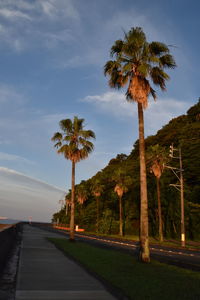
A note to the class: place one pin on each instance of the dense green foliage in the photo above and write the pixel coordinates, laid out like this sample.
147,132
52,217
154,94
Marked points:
133,279
184,132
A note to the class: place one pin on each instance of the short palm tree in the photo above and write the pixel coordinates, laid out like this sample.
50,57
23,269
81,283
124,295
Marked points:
67,202
74,143
122,185
97,190
156,158
81,194
138,63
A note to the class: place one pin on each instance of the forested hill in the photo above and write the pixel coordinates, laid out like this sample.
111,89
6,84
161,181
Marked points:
183,132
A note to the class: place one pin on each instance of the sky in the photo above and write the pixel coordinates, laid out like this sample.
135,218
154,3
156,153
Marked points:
52,54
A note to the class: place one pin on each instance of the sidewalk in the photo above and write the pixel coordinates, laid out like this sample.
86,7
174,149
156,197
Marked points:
45,273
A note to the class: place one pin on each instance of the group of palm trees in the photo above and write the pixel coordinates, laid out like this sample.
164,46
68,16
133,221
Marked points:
136,63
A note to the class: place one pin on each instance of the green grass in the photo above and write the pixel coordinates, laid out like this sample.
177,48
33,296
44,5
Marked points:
136,280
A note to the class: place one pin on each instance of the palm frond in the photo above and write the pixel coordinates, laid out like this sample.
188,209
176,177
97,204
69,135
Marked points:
157,48
159,77
78,124
57,137
66,125
68,138
153,93
87,134
57,145
167,61
85,142
111,66
116,48
144,69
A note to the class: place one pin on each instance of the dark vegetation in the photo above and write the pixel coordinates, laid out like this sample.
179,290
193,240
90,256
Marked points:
131,278
184,132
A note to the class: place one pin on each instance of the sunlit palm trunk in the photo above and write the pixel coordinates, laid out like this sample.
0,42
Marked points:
144,235
72,203
120,216
159,210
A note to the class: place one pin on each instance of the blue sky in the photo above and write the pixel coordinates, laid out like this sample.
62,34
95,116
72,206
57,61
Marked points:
52,54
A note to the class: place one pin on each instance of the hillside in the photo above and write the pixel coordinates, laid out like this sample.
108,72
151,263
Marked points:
184,132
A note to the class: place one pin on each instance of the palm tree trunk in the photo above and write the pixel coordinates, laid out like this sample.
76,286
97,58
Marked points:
72,203
120,217
97,226
144,234
66,209
159,210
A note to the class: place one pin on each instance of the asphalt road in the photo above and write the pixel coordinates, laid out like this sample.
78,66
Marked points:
189,259
185,258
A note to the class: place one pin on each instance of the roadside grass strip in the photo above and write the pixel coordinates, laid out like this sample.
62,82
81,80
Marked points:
134,279
171,243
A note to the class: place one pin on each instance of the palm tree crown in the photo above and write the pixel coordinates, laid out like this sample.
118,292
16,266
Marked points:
122,180
73,142
157,157
136,63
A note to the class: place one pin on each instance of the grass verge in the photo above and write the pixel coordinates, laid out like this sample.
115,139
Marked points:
136,280
169,243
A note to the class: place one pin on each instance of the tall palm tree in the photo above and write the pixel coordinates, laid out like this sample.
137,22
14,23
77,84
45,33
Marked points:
157,157
138,63
97,190
74,143
122,184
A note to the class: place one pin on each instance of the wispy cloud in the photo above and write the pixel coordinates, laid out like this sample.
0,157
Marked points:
60,23
29,178
13,157
13,14
59,9
162,111
9,95
33,23
112,102
157,113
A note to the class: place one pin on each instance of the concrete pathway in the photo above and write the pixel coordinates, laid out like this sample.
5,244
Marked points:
45,273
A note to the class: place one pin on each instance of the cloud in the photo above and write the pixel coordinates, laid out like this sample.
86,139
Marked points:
22,196
12,14
59,9
13,157
19,123
162,111
55,24
29,178
38,31
157,113
111,102
10,96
